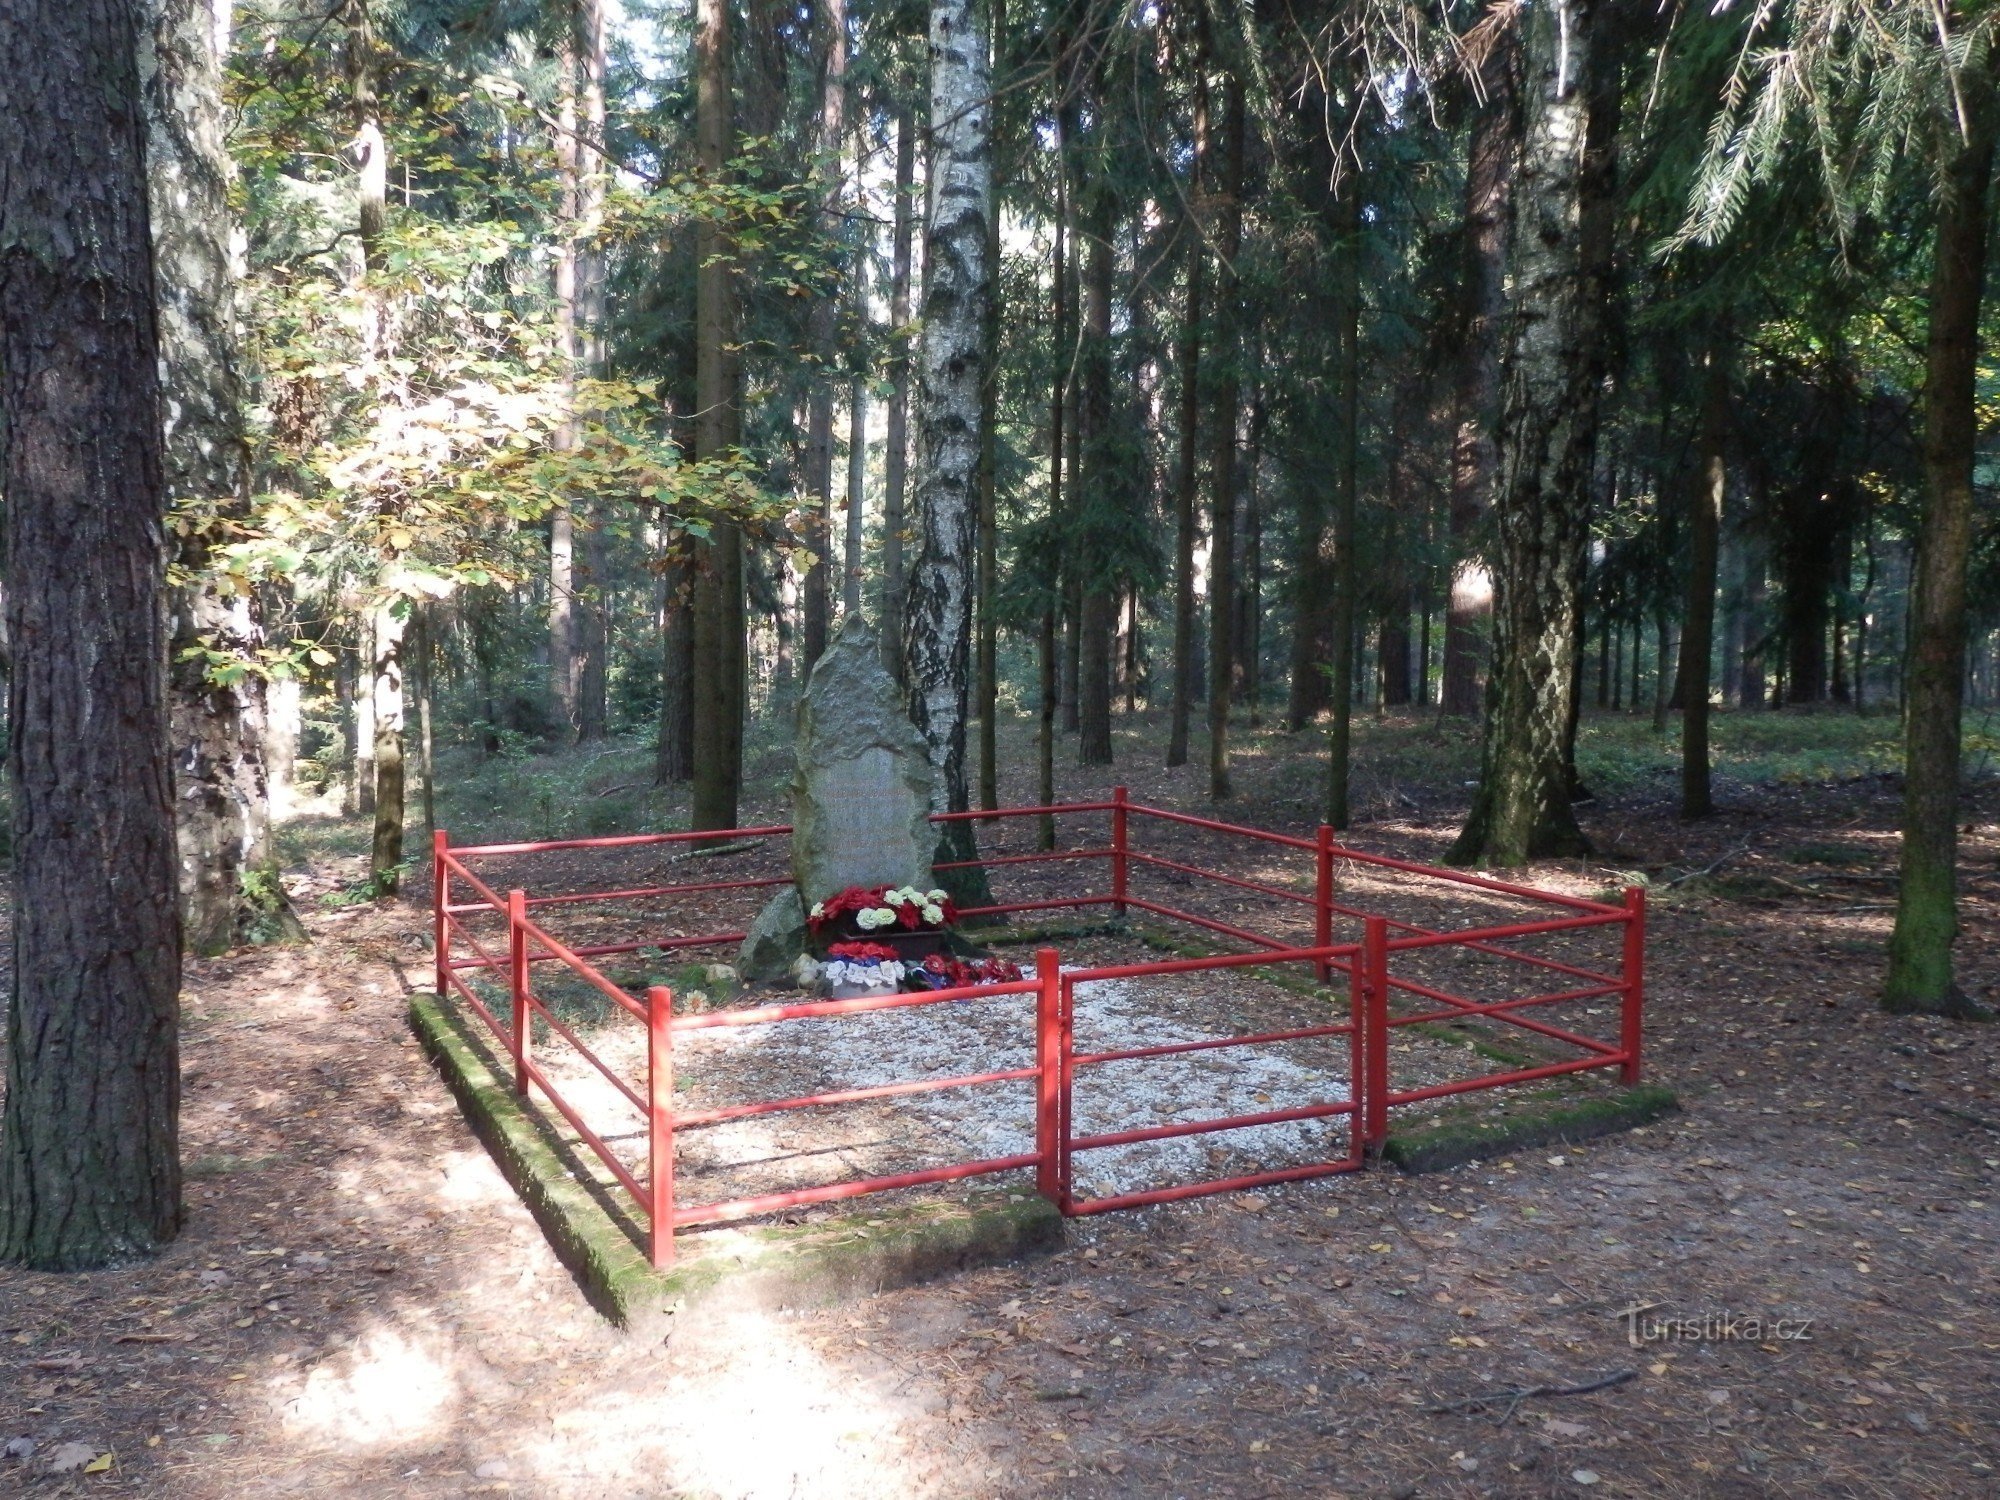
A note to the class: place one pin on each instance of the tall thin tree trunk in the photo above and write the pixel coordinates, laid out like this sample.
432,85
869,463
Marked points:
89,1142
361,716
986,690
563,655
895,459
825,325
593,635
1050,642
1920,957
422,646
857,495
1704,539
1474,456
1347,458
371,181
1098,619
951,368
386,688
1250,575
593,632
717,623
1222,461
1187,475
1068,356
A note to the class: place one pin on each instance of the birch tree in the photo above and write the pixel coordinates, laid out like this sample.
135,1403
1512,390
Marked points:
950,370
1548,443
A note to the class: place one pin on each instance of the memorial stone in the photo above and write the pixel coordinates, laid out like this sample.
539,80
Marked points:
861,796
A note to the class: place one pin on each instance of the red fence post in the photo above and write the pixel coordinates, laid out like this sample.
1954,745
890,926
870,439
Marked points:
1118,850
1374,964
1323,900
440,899
517,975
1065,1074
1634,975
1048,1079
660,1123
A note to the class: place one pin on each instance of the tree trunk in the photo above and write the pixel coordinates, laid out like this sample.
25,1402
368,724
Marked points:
1548,438
857,496
1250,574
674,758
592,628
593,635
1704,537
1920,959
89,1141
951,368
421,647
1049,645
1346,249
1187,476
1098,620
1663,653
895,460
825,326
986,693
1222,432
386,679
230,891
1474,455
563,655
361,717
717,624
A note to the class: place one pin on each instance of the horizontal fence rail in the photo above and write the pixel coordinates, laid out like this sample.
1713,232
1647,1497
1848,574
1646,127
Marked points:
480,930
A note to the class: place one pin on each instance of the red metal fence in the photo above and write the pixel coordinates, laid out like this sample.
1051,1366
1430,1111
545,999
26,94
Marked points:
1383,963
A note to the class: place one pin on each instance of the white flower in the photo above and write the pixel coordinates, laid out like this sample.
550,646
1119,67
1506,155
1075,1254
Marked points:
934,915
884,917
819,910
895,898
936,898
875,974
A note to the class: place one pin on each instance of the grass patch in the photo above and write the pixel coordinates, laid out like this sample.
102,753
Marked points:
1524,1121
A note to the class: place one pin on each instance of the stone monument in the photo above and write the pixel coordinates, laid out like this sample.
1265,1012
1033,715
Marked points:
861,797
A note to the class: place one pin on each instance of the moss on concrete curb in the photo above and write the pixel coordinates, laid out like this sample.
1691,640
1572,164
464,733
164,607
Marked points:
600,1241
1449,1143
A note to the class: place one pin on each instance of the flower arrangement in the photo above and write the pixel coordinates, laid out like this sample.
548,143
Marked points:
941,973
856,968
882,908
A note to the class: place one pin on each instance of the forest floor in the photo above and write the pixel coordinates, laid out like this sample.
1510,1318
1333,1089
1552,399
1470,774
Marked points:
359,1306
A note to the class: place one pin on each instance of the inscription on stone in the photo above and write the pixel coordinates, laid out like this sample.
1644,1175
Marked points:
862,821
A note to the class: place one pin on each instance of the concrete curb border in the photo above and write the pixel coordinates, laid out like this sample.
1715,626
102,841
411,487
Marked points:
826,1261
1438,1145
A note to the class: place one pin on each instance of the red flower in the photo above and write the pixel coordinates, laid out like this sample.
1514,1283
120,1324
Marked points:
862,952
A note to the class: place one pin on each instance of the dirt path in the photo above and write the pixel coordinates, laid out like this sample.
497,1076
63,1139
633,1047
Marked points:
360,1307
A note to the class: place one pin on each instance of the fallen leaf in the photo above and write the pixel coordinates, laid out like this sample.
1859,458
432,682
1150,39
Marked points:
1585,1476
